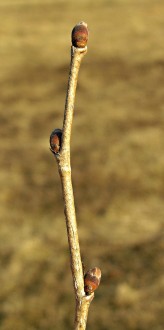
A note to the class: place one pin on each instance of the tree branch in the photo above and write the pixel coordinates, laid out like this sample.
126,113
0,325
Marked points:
60,146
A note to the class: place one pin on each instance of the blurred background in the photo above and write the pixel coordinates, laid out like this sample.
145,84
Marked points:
117,162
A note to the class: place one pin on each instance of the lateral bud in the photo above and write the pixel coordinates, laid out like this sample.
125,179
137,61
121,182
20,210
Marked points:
56,140
92,280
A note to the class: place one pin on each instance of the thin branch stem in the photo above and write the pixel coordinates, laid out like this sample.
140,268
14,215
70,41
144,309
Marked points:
63,159
65,174
76,57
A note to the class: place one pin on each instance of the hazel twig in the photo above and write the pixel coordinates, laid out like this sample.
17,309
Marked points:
60,146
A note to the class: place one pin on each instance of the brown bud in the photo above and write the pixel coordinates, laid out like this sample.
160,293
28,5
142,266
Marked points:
55,140
92,280
80,35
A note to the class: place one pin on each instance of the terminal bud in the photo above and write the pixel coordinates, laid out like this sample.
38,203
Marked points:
80,35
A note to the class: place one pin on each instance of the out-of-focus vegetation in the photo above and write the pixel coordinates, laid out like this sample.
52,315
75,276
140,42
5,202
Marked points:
117,162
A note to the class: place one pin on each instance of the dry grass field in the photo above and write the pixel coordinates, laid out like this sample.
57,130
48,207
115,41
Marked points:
117,163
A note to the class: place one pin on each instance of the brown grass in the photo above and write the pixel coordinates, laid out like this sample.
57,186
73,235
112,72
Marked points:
117,161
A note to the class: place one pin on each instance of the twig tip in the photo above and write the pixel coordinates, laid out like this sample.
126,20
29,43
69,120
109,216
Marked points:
80,35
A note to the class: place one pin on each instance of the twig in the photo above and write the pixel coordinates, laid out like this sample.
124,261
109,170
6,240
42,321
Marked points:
60,146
